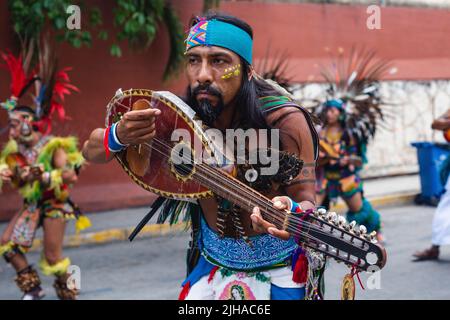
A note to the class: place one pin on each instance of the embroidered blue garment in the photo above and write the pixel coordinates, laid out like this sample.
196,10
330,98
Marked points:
237,254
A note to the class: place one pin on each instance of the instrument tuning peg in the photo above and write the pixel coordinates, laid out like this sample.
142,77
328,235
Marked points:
336,220
362,229
331,216
351,227
322,211
341,221
316,213
347,226
373,236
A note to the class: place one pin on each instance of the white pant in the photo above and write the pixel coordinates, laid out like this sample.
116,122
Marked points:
441,220
213,290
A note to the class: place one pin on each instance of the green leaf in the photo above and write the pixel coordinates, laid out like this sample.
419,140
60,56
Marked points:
95,17
103,35
141,18
115,51
86,37
61,37
76,42
60,23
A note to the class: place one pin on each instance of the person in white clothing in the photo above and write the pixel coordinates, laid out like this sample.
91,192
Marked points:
441,220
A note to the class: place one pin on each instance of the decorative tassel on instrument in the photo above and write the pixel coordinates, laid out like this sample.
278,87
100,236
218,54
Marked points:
237,222
223,211
300,269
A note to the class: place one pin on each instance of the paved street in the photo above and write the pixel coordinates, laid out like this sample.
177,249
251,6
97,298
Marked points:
154,268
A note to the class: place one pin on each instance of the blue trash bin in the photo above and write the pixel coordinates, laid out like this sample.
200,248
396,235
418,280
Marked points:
431,157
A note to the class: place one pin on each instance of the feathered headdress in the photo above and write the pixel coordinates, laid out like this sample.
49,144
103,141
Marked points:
51,85
52,88
354,88
274,72
275,69
21,79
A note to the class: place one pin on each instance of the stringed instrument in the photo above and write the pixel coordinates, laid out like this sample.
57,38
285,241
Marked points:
331,154
179,136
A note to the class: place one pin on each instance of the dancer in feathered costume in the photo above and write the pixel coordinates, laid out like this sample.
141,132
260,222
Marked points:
350,116
41,167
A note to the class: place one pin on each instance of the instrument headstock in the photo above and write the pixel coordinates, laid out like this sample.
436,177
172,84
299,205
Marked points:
345,242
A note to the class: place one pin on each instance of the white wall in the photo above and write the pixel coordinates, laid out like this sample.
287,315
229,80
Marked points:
416,104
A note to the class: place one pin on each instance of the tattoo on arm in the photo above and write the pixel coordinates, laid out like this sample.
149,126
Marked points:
307,175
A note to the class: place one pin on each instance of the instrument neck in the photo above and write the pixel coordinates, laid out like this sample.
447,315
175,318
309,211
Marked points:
239,193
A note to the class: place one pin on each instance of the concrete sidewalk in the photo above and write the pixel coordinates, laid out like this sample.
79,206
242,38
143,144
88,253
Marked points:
392,191
117,225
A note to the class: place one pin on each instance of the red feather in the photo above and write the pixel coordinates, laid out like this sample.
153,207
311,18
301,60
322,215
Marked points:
44,125
61,88
18,77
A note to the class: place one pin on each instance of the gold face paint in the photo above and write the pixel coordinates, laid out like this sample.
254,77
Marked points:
234,71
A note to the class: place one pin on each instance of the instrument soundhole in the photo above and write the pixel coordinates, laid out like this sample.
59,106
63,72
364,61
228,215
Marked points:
182,161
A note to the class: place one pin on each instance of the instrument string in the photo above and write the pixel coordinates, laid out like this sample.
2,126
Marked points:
268,205
263,203
275,215
216,174
245,195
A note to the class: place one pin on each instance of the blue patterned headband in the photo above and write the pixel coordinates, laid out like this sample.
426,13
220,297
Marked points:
221,34
335,103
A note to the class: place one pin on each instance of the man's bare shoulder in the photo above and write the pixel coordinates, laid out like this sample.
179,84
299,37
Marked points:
286,116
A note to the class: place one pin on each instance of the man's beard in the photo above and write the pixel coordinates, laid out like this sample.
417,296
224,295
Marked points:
206,111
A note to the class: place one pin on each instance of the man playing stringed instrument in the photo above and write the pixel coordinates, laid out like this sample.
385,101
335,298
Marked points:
238,251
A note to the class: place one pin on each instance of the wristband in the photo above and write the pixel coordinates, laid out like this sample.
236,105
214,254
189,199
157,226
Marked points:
110,141
296,207
114,144
116,139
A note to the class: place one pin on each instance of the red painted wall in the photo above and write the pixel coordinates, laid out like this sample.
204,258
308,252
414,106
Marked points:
417,39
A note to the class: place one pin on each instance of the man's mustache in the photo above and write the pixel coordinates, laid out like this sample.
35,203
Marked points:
206,89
